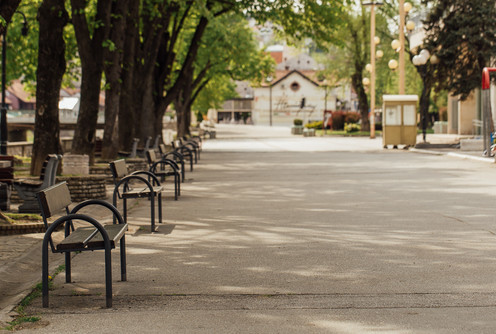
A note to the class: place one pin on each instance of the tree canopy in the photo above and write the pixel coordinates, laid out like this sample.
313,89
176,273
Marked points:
462,34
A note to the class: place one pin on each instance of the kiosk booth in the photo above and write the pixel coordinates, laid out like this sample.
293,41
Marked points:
399,120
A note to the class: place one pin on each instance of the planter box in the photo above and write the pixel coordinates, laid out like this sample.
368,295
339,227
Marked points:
297,130
309,133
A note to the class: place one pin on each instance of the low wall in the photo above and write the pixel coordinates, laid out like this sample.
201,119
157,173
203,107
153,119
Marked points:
85,187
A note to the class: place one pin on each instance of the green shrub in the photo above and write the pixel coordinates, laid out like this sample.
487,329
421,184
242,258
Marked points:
351,127
298,122
314,125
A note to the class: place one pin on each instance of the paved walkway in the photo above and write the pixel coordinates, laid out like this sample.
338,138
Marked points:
281,235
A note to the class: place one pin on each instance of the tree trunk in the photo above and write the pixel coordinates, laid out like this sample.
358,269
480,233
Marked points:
363,104
7,9
91,53
84,136
112,70
52,17
147,115
128,103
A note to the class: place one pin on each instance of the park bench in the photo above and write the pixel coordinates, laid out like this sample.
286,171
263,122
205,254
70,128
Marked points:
27,188
7,169
139,184
175,156
207,128
187,152
158,141
79,237
194,142
134,149
6,180
165,167
180,144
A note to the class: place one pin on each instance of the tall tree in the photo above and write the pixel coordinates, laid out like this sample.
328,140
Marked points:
113,71
127,102
52,18
7,9
462,34
228,52
90,36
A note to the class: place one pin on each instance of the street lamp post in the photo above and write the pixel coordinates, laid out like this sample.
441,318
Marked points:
325,107
269,80
3,112
372,63
402,48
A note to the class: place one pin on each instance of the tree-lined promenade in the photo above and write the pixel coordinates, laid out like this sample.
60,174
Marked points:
153,55
147,55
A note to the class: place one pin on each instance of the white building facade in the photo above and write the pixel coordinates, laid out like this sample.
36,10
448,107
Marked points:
291,95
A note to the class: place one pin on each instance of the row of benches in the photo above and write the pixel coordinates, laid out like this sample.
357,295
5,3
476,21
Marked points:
96,236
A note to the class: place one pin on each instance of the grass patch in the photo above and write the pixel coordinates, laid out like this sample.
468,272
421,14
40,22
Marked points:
347,134
19,321
20,218
24,216
21,309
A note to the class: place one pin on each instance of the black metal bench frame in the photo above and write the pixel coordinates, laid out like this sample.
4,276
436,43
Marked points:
186,152
27,189
99,237
159,169
175,156
123,180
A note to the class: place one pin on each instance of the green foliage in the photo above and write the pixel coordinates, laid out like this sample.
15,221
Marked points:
26,301
462,34
297,122
230,52
22,51
351,127
314,125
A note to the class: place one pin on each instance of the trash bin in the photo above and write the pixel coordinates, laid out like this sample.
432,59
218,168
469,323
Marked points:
399,120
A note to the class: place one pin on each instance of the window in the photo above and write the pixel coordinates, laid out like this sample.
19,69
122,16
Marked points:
295,86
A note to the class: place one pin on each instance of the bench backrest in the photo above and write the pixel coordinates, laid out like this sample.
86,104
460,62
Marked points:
49,170
54,199
147,142
151,157
162,149
118,169
158,140
134,148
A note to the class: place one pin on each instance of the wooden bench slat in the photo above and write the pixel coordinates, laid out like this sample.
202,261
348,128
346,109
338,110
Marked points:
115,233
90,238
142,192
76,240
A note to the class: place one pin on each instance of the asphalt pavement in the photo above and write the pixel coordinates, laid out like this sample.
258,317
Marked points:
282,234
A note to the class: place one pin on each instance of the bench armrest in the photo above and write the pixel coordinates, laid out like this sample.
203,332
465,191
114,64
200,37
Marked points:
117,215
125,180
173,164
175,154
150,175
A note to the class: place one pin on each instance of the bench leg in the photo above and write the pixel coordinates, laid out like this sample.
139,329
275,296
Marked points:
124,209
160,208
108,277
177,179
123,259
152,211
179,184
44,275
175,187
68,274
